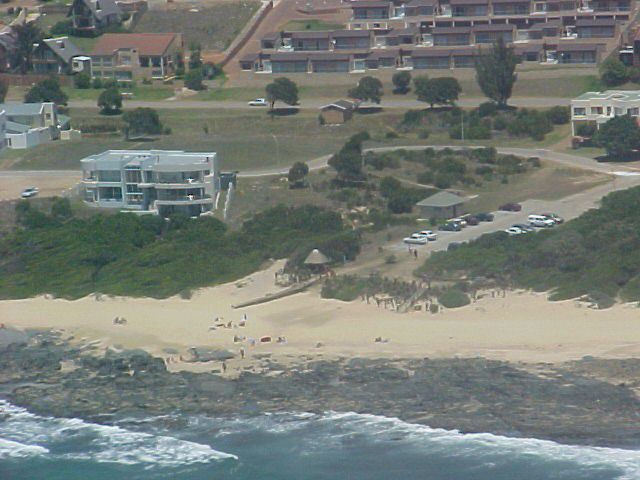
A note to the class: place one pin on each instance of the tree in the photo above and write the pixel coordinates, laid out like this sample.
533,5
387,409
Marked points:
401,82
142,121
368,89
82,80
495,72
613,72
442,90
47,90
110,101
64,27
211,70
348,161
193,79
195,57
4,89
297,174
27,35
620,136
283,90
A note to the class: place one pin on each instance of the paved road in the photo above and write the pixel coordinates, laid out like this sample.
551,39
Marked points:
314,103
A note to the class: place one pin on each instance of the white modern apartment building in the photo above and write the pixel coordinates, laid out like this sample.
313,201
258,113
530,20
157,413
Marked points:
597,108
161,182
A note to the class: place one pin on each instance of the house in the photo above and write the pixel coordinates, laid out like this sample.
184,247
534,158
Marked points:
337,113
94,15
135,56
597,108
31,124
441,205
162,182
55,56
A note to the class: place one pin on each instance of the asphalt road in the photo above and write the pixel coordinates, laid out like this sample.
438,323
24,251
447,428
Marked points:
315,103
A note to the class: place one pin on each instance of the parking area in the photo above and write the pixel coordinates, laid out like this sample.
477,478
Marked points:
50,183
567,208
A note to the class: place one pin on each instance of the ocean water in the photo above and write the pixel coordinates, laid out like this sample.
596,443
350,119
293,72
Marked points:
286,446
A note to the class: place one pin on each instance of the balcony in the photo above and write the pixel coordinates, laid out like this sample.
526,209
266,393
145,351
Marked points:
185,200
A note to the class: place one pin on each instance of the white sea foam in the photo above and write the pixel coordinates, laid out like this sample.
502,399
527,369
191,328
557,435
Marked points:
11,449
79,440
453,443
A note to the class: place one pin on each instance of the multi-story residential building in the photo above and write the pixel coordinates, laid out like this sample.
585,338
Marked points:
597,108
93,15
162,182
135,56
448,33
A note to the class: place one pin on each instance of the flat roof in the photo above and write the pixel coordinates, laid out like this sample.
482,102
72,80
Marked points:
624,95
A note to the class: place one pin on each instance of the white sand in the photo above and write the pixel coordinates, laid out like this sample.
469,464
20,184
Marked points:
521,327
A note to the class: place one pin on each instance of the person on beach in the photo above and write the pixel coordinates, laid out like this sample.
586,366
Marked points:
224,367
242,353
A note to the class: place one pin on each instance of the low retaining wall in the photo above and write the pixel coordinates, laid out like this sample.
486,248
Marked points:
244,36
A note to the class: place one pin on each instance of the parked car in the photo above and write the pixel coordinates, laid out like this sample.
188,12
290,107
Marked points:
450,227
556,218
258,102
431,236
511,207
471,220
525,227
460,221
29,192
484,217
515,231
540,221
416,239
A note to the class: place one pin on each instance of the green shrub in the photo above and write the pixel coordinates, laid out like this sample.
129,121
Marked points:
82,81
559,115
453,298
487,109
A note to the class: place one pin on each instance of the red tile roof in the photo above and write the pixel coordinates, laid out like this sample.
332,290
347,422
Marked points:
145,43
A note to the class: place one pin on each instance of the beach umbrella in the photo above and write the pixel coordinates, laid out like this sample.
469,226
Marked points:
316,257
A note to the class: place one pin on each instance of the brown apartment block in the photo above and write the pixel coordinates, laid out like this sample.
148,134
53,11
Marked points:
135,56
445,34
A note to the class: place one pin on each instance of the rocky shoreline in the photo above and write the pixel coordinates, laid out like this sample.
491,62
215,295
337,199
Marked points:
589,402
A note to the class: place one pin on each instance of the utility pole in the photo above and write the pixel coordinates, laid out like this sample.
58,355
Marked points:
462,123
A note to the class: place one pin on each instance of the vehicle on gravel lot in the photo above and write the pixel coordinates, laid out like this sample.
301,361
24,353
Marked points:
525,227
416,239
258,102
431,236
556,218
471,220
515,231
511,207
540,221
29,192
459,220
484,217
450,227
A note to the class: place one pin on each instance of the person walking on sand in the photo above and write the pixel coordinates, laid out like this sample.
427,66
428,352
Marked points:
224,367
242,353
415,253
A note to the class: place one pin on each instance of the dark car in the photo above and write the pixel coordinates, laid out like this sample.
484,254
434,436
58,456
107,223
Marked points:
484,217
471,220
511,207
450,227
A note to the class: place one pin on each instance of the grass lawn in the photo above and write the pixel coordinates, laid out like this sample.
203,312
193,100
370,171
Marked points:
212,27
312,25
550,182
245,139
140,92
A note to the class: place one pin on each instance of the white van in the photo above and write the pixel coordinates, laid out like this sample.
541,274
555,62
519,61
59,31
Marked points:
540,221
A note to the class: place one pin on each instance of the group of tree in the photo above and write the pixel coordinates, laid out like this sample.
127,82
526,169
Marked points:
141,121
620,137
613,72
47,90
437,91
401,82
297,175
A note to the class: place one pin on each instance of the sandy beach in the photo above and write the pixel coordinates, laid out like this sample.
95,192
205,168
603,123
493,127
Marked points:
520,327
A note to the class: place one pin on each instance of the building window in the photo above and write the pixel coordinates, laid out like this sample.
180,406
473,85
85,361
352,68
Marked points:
579,111
596,110
634,112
